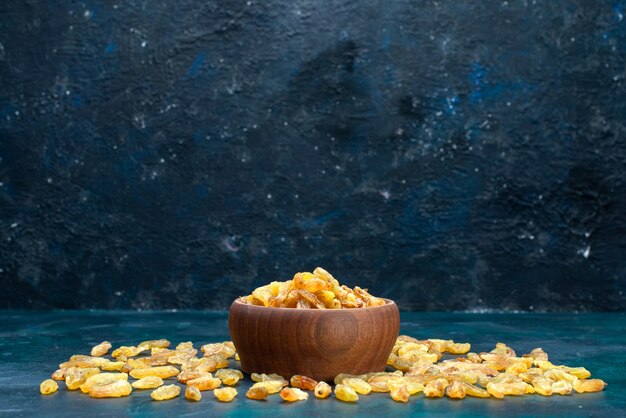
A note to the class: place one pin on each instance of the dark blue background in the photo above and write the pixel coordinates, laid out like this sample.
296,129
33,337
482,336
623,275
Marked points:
446,154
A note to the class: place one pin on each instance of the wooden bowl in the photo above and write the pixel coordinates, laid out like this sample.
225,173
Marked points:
316,343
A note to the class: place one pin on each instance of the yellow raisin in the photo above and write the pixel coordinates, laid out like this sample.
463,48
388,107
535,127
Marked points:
76,376
82,361
562,387
193,393
126,351
542,385
341,376
456,390
435,388
588,385
293,394
380,383
225,394
256,377
544,365
214,362
114,389
101,379
59,374
101,349
160,371
579,372
218,348
399,392
475,391
166,392
111,366
516,368
184,346
345,393
458,348
229,377
150,344
257,392
559,374
322,390
360,386
205,382
148,382
499,390
188,375
48,386
303,382
537,354
272,386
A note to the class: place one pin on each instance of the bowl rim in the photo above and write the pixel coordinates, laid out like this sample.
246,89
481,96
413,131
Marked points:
388,302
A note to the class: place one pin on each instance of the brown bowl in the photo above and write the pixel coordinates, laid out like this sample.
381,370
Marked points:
312,342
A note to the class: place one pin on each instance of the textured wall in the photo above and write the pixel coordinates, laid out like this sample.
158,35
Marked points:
446,154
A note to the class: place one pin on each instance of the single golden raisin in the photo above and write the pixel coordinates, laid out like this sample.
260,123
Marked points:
303,382
115,389
218,348
559,374
499,390
160,371
126,351
185,346
562,387
399,392
475,391
148,382
458,348
345,393
76,376
59,374
579,372
205,382
293,394
83,361
257,392
360,386
588,385
48,386
322,390
193,393
150,344
380,383
112,366
166,392
188,375
225,394
436,388
101,379
213,362
261,377
229,377
456,390
101,349
341,376
272,386
516,368
537,354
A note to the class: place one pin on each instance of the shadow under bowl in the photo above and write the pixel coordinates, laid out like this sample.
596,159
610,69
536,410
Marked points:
316,343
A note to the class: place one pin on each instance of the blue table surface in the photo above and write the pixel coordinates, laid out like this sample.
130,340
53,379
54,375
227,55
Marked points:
32,344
